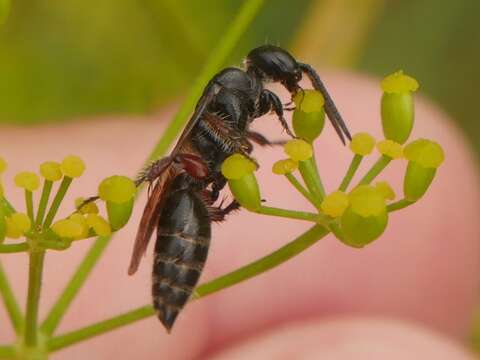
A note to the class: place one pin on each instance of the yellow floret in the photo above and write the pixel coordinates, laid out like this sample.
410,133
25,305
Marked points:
385,189
309,101
67,228
21,221
51,171
390,148
3,165
236,166
367,201
427,153
117,189
12,231
1,190
286,166
80,220
362,143
72,166
335,204
298,150
88,208
399,83
98,224
27,180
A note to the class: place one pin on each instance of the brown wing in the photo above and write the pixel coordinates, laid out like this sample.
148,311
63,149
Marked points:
149,219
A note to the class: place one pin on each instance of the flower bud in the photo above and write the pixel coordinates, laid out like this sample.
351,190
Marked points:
17,224
424,157
390,148
119,214
118,192
72,166
362,144
99,225
80,220
366,218
27,180
385,189
68,229
283,167
298,150
335,204
239,172
309,115
3,165
397,106
88,208
51,171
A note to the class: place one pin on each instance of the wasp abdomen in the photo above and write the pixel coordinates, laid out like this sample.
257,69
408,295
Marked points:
183,239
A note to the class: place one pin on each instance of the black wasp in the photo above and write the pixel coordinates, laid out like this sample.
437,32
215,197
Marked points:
187,183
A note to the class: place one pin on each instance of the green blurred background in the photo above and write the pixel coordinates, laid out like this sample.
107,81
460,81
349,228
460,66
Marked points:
67,59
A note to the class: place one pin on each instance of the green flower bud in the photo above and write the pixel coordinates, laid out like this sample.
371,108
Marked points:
397,106
119,214
390,148
366,218
385,189
72,166
117,189
68,229
89,208
80,220
335,204
283,167
98,224
51,171
424,157
309,115
17,225
298,150
362,144
243,184
27,180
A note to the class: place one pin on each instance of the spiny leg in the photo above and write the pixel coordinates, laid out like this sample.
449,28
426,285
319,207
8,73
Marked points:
261,140
269,101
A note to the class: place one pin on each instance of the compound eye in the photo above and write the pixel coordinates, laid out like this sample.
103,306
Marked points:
298,76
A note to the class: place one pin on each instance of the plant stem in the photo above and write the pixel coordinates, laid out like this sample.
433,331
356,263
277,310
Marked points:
7,352
376,169
33,298
296,184
218,56
47,188
5,205
246,272
11,304
60,307
13,248
57,200
352,169
29,204
308,170
400,204
290,214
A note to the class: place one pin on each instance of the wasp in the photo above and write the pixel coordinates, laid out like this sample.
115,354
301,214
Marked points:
186,184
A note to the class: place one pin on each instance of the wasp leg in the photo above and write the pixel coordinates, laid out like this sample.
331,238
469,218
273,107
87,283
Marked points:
218,184
271,102
262,140
330,108
218,214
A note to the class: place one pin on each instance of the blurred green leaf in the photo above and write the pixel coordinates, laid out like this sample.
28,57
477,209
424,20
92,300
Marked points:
4,9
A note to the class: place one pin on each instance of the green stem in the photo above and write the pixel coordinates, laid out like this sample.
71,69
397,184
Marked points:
290,214
60,307
13,248
376,169
246,272
218,56
33,297
352,169
57,200
7,352
5,205
308,170
29,203
11,304
400,204
296,184
42,207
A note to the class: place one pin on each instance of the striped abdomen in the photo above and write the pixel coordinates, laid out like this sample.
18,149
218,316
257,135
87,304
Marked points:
183,239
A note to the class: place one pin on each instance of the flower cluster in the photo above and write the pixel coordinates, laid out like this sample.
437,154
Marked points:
38,225
360,215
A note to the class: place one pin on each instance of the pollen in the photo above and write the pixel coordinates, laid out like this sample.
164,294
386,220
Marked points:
237,166
72,166
67,228
385,189
427,153
362,143
399,83
99,225
390,148
117,189
283,167
27,180
51,171
3,165
88,208
298,150
309,101
335,204
367,201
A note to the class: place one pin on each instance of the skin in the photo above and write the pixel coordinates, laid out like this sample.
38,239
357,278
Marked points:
417,285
